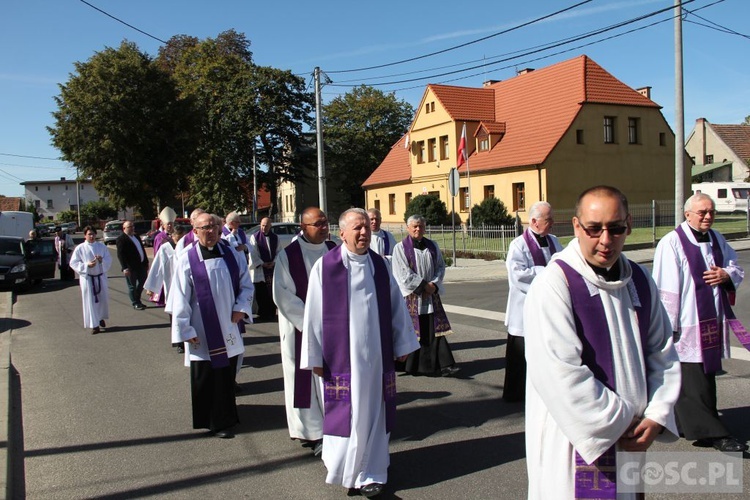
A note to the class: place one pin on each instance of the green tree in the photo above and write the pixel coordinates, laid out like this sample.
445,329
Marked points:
359,129
430,207
98,210
491,212
121,122
28,206
67,216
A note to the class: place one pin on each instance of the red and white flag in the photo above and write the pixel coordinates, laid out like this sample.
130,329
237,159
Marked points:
462,157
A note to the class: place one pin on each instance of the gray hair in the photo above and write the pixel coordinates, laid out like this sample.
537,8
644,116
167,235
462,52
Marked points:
375,212
536,209
342,217
697,197
195,213
416,218
232,216
217,220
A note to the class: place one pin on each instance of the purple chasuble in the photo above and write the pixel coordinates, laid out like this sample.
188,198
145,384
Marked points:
337,370
264,243
536,253
217,349
298,271
708,321
599,480
440,321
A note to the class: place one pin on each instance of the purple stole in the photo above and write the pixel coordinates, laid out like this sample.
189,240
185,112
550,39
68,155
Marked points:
189,238
337,370
708,321
265,254
599,479
160,238
386,243
240,233
217,349
439,319
536,253
298,271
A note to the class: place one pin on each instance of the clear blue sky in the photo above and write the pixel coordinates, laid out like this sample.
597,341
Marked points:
41,39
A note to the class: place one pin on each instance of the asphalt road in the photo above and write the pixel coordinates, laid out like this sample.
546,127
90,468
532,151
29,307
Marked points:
108,416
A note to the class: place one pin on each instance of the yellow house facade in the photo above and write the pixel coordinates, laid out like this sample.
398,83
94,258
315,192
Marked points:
542,135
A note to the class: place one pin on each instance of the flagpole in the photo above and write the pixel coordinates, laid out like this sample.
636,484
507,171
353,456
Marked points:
468,184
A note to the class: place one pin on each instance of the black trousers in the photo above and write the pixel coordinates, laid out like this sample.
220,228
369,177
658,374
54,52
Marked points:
266,307
696,409
136,281
212,390
433,354
514,387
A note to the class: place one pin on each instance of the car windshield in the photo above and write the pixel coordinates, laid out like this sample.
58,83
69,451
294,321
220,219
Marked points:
10,247
113,227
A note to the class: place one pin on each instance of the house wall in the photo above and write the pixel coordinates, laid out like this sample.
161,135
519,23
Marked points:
698,142
53,197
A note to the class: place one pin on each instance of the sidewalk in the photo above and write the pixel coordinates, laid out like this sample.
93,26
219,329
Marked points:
486,270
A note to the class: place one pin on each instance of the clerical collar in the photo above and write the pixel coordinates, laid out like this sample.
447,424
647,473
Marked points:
419,244
699,236
611,274
173,243
542,240
209,252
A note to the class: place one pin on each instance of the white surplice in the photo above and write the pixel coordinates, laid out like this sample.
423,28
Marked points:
427,270
677,289
361,458
567,408
256,262
521,272
186,314
303,423
377,243
93,312
234,240
162,269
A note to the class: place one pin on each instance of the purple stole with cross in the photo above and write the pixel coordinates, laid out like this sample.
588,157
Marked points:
440,321
337,370
217,349
298,271
264,243
708,321
599,479
536,253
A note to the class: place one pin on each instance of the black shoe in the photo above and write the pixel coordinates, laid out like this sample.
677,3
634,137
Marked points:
95,330
449,371
318,448
728,444
102,324
225,434
139,307
238,388
181,349
371,490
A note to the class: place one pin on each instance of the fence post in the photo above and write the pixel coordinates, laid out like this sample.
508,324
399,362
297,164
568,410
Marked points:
653,223
747,215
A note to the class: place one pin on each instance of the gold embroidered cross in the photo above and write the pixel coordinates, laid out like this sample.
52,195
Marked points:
339,387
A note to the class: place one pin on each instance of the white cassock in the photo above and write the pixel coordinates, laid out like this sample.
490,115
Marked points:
409,280
521,272
363,457
567,408
93,311
186,314
162,269
234,241
677,289
256,262
303,423
377,243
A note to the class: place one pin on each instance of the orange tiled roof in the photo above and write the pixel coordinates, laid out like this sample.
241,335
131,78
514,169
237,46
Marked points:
537,108
10,203
736,137
394,169
491,128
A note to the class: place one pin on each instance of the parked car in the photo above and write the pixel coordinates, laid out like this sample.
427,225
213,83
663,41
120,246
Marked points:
69,227
112,230
147,238
42,230
286,231
23,264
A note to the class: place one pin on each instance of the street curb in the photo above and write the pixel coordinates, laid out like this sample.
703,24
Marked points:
6,314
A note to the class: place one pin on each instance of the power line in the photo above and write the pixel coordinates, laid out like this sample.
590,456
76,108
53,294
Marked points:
531,51
713,25
513,28
123,22
11,175
33,166
33,157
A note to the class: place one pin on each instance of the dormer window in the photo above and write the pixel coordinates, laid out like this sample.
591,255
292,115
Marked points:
484,143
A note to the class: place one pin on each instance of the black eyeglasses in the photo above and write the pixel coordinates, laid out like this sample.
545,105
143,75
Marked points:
207,227
318,224
703,213
596,231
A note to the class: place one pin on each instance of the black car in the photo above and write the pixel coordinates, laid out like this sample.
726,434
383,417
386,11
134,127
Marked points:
23,264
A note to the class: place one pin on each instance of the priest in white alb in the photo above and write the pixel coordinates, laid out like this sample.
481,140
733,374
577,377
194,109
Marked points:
382,242
603,374
355,327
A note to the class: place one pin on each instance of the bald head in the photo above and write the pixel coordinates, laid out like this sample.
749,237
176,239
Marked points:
195,214
314,225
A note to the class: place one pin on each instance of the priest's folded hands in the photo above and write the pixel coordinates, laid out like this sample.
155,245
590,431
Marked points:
640,435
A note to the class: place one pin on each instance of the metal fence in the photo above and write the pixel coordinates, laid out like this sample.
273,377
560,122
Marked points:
651,221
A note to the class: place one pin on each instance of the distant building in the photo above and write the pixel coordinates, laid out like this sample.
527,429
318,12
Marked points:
541,135
10,203
49,198
719,152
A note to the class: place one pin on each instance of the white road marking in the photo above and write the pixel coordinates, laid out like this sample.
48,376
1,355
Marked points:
477,313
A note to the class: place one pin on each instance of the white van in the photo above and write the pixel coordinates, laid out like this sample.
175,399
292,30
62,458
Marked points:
728,196
14,223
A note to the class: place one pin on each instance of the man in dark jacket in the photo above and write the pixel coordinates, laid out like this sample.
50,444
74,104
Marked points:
134,263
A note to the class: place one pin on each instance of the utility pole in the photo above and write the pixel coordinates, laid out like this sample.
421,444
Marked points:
322,201
78,198
255,187
679,126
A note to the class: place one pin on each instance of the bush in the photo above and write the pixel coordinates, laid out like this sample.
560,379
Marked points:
491,212
67,216
430,207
